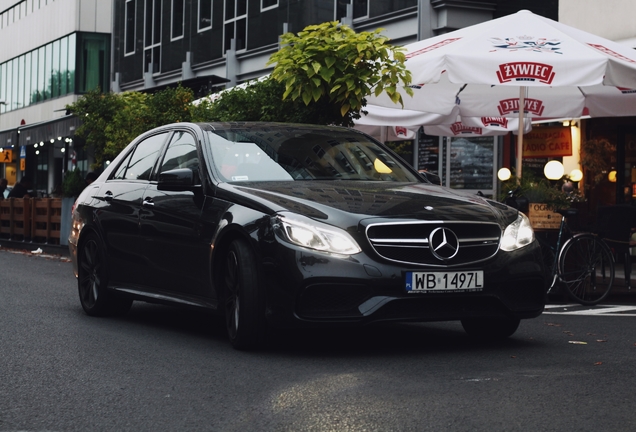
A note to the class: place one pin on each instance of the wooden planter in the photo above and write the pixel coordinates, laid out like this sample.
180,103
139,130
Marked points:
34,219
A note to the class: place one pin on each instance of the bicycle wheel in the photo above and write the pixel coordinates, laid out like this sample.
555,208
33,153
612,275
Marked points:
586,268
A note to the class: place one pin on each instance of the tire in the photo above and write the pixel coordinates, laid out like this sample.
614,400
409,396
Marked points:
490,329
547,254
244,303
92,281
586,269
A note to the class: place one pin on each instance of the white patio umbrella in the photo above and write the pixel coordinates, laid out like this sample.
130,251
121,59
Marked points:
532,60
401,124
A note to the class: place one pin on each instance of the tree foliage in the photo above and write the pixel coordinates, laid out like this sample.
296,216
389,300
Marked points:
262,100
332,61
110,121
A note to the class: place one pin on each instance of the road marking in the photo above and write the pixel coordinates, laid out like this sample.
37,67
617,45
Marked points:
598,310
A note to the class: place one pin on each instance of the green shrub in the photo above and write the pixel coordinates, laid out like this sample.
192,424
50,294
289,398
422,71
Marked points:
73,184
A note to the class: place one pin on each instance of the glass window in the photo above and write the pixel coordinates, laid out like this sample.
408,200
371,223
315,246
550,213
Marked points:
93,59
235,24
34,77
129,32
268,4
182,153
302,152
19,78
48,69
148,23
120,172
64,66
205,14
143,158
3,86
14,83
27,79
468,163
55,71
156,22
41,74
360,9
152,39
72,57
178,13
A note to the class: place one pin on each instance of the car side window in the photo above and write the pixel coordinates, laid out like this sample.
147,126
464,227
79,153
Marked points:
181,153
139,165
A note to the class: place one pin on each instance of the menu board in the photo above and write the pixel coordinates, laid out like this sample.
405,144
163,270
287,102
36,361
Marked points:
471,163
428,153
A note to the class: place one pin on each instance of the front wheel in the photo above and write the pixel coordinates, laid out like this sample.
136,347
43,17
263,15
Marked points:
244,298
92,281
490,329
586,269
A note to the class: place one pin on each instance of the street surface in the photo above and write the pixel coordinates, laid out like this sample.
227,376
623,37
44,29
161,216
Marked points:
168,369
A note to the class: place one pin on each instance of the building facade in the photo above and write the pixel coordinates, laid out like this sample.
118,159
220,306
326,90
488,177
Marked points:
619,186
52,51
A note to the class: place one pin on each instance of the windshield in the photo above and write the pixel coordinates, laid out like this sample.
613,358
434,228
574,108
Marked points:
291,152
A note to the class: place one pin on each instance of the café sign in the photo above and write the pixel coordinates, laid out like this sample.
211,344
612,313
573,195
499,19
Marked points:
547,142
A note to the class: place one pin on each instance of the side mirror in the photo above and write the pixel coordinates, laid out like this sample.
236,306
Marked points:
176,180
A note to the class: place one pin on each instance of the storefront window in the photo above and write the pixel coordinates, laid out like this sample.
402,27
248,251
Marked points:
467,163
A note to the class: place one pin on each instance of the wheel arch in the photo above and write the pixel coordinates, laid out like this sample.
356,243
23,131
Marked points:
221,244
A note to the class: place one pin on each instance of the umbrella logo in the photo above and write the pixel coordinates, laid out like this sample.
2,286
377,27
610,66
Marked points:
431,47
525,71
401,131
460,128
527,43
610,52
495,121
534,106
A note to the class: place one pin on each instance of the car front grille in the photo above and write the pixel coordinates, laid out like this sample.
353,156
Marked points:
410,242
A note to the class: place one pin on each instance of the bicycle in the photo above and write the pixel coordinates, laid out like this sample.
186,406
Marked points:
583,263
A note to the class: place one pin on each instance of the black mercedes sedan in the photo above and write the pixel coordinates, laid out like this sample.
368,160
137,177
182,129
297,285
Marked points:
278,225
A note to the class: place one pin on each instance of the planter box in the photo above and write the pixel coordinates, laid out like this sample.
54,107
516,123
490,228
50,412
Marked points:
542,218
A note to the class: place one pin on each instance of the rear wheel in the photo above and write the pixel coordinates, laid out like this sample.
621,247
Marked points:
586,269
490,329
244,300
92,281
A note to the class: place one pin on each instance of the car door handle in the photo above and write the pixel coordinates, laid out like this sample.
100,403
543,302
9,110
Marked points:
108,196
147,202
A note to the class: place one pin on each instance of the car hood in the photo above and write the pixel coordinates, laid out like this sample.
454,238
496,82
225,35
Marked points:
345,203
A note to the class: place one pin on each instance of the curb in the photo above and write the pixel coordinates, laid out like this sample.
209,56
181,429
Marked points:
50,249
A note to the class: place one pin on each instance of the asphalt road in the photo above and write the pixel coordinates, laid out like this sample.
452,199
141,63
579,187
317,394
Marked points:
167,369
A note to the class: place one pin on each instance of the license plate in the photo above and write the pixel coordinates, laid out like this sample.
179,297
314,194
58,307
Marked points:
460,281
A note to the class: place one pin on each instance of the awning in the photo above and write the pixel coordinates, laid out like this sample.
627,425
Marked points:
48,130
9,137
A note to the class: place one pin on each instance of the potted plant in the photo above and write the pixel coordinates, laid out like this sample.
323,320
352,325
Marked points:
544,198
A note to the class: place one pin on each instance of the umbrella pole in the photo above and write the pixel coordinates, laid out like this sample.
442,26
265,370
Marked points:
522,108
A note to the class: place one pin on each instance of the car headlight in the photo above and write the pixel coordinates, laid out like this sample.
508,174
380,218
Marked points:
308,233
518,234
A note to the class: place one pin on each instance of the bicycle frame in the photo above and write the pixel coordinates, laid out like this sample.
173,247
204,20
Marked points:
564,248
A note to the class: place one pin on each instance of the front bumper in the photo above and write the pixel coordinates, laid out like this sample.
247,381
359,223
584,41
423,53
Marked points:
309,289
